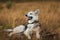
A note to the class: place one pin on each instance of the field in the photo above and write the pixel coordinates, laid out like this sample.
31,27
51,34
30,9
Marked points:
49,16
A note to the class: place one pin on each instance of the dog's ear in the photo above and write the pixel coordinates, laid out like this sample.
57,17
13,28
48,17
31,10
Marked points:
37,11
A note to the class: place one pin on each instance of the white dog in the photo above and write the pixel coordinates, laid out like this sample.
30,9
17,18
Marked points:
33,25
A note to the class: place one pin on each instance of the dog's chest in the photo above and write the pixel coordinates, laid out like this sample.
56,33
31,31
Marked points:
29,26
33,25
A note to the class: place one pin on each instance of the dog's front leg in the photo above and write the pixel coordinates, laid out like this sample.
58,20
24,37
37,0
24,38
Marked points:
38,33
27,34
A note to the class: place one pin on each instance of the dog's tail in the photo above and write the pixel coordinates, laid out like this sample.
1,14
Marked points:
8,30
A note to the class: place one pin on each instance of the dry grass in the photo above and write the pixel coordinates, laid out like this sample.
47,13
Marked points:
49,14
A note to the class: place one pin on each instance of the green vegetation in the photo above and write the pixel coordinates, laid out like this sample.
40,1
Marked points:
9,4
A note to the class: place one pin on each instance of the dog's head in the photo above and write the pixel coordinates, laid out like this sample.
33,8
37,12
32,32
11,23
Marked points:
32,16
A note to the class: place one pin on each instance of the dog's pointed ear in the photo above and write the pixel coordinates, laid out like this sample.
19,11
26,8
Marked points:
37,11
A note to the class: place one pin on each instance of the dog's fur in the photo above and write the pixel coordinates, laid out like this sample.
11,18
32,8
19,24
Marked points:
33,25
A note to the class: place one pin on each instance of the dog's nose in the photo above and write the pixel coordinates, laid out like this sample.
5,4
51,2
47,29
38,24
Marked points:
25,15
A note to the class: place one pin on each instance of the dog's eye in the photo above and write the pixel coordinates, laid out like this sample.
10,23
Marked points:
30,13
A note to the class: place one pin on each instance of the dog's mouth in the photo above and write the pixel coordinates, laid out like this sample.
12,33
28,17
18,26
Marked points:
29,17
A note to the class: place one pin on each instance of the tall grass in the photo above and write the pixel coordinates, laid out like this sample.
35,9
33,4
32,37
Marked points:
49,16
49,13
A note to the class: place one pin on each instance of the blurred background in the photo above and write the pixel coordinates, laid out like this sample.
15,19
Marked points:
12,14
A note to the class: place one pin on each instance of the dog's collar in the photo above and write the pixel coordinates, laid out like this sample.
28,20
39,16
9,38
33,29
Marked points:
34,22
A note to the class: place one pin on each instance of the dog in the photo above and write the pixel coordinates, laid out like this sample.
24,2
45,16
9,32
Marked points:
33,25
